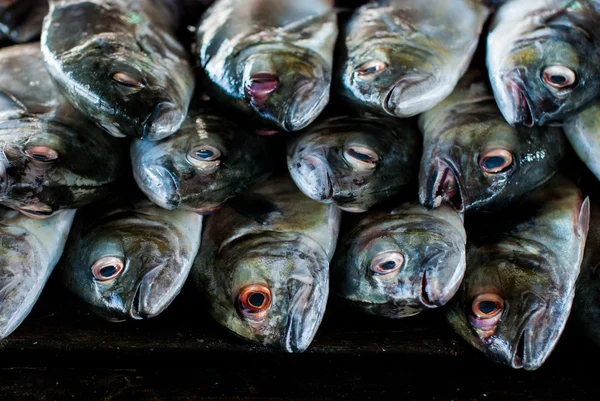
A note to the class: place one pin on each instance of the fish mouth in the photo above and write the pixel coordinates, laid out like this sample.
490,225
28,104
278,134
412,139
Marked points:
152,297
165,119
446,268
39,212
396,102
159,184
307,103
443,186
313,178
205,211
424,297
524,111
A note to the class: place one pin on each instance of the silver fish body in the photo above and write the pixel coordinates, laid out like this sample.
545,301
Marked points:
583,131
271,59
263,266
354,162
129,260
543,59
52,157
522,267
474,160
402,57
208,161
119,62
30,249
397,263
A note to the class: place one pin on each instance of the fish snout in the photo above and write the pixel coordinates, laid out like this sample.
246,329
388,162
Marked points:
308,299
165,119
439,185
311,175
155,292
404,99
160,185
442,278
307,103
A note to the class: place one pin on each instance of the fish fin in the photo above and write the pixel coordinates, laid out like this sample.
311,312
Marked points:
255,207
583,220
9,102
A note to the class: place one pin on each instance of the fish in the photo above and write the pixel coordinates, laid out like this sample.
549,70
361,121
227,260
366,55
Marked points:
543,59
208,161
402,57
269,59
263,266
354,162
474,160
400,260
21,20
586,310
522,266
128,258
583,132
52,157
30,250
119,62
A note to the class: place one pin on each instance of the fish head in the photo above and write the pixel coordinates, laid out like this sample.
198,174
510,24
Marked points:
208,161
347,162
271,288
547,77
131,82
287,87
488,164
403,265
127,271
46,165
402,80
511,308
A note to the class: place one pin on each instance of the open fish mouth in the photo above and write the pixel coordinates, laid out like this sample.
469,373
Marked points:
446,188
524,111
36,211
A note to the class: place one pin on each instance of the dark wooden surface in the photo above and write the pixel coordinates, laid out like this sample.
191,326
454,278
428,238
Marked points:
62,352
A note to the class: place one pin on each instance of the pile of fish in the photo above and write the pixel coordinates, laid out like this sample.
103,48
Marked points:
407,154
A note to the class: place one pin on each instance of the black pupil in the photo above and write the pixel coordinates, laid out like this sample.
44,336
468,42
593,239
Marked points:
108,271
558,79
494,162
257,299
359,156
40,157
370,70
204,154
487,307
389,265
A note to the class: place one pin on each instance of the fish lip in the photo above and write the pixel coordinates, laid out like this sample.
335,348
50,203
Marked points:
205,211
165,120
166,195
524,111
315,160
140,308
435,196
39,212
424,297
310,115
397,90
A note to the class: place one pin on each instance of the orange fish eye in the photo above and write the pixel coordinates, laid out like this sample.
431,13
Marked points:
255,298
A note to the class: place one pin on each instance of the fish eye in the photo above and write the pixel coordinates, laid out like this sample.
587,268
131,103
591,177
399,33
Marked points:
41,153
387,265
496,161
487,306
361,157
371,68
255,300
559,77
127,81
108,268
205,157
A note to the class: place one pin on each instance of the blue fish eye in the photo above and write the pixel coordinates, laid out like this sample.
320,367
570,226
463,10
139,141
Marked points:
257,299
108,271
204,153
389,265
494,162
487,307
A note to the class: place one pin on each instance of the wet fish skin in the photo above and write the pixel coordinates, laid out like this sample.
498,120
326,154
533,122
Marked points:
427,248
173,176
586,313
21,21
354,162
402,57
524,263
119,63
274,243
467,129
67,166
583,132
530,42
270,59
155,248
30,250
